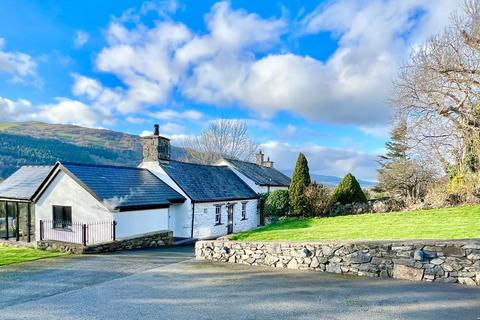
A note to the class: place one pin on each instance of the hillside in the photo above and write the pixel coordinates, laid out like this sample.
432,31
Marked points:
41,143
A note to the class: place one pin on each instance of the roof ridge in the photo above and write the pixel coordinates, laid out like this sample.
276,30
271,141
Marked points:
195,164
99,165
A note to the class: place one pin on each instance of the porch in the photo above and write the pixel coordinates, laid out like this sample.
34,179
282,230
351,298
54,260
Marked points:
17,220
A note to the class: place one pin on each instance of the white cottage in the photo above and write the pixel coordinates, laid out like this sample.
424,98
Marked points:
95,203
217,202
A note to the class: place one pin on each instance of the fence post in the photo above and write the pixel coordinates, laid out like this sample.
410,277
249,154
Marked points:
41,230
114,231
84,234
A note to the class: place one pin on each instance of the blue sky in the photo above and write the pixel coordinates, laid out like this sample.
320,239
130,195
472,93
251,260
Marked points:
306,76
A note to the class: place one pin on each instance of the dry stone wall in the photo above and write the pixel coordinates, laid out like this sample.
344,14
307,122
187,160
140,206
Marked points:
147,240
440,261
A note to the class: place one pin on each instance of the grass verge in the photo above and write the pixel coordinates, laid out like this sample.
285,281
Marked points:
10,255
446,223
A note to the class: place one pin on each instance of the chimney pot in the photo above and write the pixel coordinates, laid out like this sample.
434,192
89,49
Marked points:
156,130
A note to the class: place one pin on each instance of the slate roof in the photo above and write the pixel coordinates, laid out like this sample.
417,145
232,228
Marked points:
124,188
23,184
205,183
261,175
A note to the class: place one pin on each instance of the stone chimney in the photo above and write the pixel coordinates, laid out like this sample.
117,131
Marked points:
259,158
156,147
268,163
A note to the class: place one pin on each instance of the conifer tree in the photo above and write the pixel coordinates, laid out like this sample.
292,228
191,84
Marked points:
348,191
300,181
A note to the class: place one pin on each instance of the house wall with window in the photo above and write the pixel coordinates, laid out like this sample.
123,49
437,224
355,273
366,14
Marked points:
205,225
64,191
85,208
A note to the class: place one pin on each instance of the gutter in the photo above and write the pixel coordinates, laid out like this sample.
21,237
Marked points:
193,217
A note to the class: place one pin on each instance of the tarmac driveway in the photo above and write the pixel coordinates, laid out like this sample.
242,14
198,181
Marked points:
167,283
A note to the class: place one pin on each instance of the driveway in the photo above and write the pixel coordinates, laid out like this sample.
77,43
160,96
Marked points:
167,283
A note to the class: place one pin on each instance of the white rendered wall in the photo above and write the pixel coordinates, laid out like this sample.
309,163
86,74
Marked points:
64,191
131,223
204,225
180,215
268,189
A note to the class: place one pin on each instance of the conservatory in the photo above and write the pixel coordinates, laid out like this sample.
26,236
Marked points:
17,209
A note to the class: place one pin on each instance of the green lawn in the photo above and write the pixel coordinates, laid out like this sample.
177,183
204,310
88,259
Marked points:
449,223
9,255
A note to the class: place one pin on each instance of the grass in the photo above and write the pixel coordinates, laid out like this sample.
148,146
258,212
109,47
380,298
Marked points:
10,255
447,223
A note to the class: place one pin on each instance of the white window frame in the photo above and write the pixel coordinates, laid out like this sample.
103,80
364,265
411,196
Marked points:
244,210
218,215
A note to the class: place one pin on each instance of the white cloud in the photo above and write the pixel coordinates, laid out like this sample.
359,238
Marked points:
81,38
141,58
151,62
380,131
18,64
223,66
171,128
11,110
322,160
169,114
146,133
104,100
84,86
68,111
136,120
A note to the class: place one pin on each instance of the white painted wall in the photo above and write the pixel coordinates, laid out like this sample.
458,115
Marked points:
268,189
180,215
131,223
204,225
64,191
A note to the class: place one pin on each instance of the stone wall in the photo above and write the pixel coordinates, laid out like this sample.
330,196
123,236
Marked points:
147,240
441,261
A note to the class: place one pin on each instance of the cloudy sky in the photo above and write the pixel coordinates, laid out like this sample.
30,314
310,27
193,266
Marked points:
306,76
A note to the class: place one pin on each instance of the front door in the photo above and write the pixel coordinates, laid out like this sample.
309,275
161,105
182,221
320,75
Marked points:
230,218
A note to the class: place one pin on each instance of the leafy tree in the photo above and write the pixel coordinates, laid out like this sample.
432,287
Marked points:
277,203
300,181
318,197
348,191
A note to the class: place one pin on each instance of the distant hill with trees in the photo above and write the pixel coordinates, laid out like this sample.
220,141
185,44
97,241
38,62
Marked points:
23,143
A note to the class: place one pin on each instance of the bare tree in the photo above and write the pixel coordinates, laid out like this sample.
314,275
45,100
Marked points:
223,138
438,93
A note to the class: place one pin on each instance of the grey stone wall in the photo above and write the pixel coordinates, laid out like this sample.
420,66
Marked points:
442,261
148,240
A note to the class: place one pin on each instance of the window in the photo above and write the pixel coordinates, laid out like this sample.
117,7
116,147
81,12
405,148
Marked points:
244,211
218,215
62,217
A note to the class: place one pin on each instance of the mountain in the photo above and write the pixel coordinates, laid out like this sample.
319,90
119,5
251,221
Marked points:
39,143
331,181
